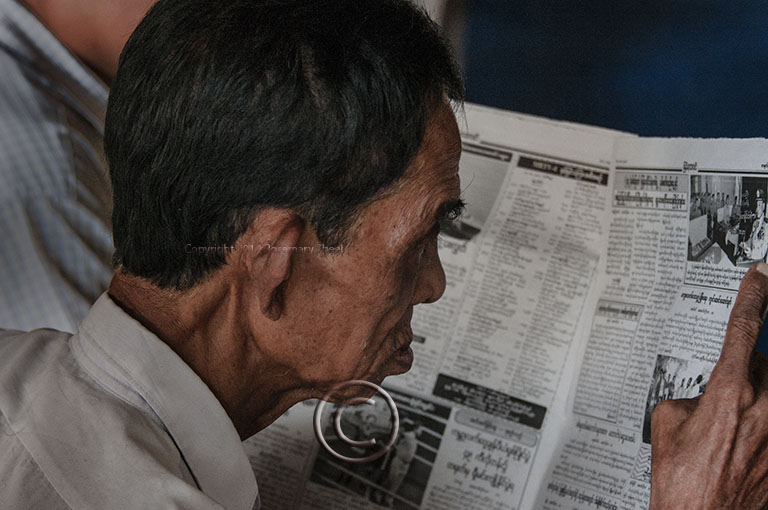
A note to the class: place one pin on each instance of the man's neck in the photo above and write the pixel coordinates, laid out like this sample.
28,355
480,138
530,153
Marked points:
204,326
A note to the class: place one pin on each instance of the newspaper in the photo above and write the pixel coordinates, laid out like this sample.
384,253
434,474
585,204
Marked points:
591,277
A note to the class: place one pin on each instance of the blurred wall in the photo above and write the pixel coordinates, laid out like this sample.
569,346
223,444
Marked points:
671,67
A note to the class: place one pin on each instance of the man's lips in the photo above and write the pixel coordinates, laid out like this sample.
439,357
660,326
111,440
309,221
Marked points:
404,332
403,353
403,335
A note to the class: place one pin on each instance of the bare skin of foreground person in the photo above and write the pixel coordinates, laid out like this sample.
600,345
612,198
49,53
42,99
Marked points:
712,451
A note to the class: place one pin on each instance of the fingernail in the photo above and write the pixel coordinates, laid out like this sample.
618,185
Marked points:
762,267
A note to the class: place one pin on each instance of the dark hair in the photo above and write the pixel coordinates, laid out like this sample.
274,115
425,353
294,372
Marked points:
223,107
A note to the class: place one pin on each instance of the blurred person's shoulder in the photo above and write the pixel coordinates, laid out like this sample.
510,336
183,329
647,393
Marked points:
46,92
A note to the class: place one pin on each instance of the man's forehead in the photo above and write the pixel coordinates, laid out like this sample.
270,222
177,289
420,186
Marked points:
442,127
442,144
434,175
430,185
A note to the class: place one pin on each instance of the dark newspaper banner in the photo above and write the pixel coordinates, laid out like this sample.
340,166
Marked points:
578,173
489,152
489,401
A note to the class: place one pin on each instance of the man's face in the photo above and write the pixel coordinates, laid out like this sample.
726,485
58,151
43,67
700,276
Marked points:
760,208
350,313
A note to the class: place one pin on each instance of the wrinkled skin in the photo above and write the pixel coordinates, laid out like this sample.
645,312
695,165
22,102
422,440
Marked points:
711,452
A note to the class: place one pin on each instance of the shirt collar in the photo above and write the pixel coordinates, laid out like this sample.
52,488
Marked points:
138,366
50,63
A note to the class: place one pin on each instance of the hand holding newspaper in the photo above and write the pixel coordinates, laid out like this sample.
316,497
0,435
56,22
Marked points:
710,451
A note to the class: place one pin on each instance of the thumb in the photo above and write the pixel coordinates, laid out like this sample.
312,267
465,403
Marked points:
668,416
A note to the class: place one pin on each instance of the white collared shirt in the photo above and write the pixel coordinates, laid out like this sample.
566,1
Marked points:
55,195
112,418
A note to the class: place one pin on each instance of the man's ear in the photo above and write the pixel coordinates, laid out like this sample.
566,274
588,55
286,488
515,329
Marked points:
268,250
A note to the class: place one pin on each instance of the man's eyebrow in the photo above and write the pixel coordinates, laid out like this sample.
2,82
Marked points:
449,211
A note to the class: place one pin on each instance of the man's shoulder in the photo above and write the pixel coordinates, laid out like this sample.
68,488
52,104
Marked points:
92,447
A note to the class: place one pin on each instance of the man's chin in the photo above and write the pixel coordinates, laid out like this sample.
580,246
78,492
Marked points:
398,363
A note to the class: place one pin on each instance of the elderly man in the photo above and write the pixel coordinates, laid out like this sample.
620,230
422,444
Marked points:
280,170
279,174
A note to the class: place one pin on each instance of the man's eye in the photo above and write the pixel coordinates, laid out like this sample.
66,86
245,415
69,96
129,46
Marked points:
454,214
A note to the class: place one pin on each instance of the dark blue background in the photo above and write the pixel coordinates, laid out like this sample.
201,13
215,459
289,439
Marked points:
666,68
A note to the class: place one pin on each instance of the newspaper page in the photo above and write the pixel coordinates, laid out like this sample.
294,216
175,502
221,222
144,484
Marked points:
480,411
687,221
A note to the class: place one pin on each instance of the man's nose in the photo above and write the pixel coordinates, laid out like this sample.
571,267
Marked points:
430,285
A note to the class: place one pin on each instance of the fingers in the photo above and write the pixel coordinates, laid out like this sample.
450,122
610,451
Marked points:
743,329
